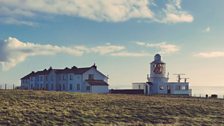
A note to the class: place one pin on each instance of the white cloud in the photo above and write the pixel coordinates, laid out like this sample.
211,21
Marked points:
162,47
212,54
16,21
130,54
207,29
174,13
106,49
6,11
98,10
14,51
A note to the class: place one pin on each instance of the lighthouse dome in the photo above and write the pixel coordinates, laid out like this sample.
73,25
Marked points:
157,57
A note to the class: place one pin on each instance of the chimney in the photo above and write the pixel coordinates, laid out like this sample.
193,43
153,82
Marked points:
94,65
50,68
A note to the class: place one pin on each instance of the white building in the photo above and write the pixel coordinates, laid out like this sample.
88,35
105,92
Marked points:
158,82
73,79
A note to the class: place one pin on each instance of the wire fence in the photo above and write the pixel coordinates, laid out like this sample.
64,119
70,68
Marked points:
8,86
209,95
196,95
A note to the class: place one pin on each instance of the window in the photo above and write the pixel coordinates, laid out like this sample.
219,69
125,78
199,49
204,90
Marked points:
52,86
88,88
168,87
71,86
47,86
183,87
59,87
63,87
186,87
78,87
178,87
71,77
64,77
91,76
161,87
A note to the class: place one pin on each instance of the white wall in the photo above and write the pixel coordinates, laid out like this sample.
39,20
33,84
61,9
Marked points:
25,83
175,88
51,80
97,75
76,79
141,85
138,85
80,79
32,82
99,89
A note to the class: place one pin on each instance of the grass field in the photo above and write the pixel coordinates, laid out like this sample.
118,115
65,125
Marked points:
60,108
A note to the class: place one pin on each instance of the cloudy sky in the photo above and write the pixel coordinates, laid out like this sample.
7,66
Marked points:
120,36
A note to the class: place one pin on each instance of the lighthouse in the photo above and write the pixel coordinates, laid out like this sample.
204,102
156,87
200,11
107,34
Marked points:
158,80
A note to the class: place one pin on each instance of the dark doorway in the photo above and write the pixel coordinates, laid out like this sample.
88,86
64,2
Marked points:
146,89
168,90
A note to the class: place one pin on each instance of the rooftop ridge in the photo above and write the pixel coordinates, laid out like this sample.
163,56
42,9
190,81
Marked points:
65,70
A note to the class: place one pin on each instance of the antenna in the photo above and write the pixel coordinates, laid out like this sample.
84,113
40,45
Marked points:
148,77
185,79
179,77
168,75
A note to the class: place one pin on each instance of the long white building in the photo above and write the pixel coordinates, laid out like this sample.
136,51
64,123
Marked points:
74,79
158,81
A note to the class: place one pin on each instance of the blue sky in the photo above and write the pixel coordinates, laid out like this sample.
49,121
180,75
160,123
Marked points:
121,37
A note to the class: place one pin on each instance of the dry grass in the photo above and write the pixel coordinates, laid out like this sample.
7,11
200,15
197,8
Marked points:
59,108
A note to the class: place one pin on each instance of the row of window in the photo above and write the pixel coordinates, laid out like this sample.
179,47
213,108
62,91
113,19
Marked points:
58,87
59,77
78,87
177,87
181,87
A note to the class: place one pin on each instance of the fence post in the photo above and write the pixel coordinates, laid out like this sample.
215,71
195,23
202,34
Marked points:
13,87
5,86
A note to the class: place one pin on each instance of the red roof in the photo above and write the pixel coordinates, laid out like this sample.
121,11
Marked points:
74,70
97,83
44,72
28,76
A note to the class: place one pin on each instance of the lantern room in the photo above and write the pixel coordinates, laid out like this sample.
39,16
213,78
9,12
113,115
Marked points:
157,67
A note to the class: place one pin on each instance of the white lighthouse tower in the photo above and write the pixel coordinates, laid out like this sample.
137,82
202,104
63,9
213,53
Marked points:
158,82
157,79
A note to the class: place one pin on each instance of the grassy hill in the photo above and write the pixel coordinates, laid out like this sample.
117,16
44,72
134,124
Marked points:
59,108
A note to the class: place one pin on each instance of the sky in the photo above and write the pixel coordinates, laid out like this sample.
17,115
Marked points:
120,36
